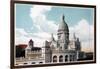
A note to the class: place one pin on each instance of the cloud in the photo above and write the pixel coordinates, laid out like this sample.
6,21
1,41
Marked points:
38,10
85,32
22,37
38,15
44,26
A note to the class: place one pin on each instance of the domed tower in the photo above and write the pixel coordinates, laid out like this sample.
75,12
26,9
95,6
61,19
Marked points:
29,48
63,34
31,43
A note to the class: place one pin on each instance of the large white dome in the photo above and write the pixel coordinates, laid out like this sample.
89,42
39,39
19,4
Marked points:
63,25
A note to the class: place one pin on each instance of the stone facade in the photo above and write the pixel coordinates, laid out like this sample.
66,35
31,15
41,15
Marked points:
63,49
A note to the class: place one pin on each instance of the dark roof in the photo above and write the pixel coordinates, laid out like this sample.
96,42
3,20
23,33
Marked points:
22,46
20,52
36,48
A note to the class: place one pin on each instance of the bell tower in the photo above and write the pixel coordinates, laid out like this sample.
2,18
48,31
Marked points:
31,43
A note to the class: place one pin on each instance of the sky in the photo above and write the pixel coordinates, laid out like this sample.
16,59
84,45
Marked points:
38,22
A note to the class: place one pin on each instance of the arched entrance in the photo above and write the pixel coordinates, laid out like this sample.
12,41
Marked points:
55,58
71,57
60,58
66,58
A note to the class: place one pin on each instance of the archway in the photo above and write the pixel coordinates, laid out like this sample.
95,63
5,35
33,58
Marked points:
60,58
55,58
71,57
66,58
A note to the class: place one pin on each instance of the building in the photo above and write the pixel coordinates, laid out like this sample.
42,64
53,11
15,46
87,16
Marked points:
61,50
32,55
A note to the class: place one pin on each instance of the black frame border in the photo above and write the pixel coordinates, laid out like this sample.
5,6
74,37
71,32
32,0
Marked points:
12,2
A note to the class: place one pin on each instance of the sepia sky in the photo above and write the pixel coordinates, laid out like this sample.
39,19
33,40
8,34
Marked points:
38,22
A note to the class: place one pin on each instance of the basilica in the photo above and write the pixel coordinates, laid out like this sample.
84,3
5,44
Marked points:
62,50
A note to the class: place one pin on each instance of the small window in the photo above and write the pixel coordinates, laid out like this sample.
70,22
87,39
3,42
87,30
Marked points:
25,63
59,37
16,64
40,62
33,62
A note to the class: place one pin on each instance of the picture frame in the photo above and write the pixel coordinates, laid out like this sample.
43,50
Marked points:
46,20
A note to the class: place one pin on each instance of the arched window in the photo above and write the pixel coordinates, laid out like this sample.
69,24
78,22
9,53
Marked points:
40,62
54,58
66,58
71,57
60,58
33,63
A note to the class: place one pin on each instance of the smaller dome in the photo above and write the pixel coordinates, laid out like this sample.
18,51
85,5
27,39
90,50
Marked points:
63,25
